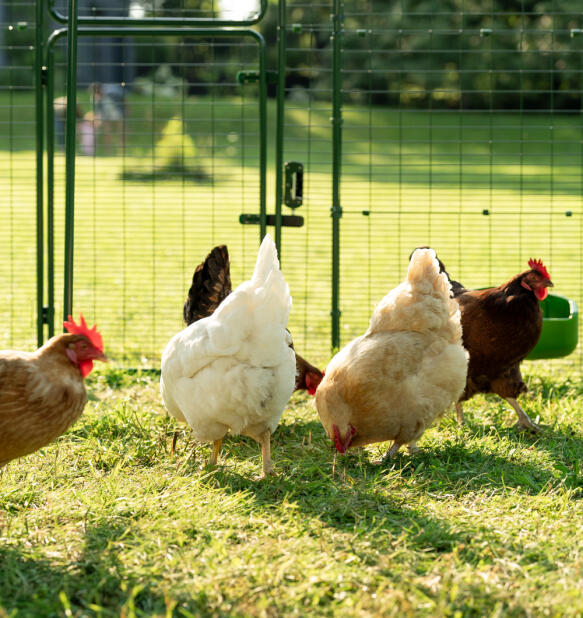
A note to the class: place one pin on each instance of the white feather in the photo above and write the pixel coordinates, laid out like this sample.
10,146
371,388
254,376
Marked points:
234,371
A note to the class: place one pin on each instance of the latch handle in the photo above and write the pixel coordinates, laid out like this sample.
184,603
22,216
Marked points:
294,191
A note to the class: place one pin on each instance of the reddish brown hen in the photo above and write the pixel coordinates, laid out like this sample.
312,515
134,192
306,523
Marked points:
211,284
42,393
501,326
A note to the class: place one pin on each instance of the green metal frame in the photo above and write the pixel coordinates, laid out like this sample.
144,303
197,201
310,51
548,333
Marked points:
70,140
279,136
336,210
155,21
39,77
108,26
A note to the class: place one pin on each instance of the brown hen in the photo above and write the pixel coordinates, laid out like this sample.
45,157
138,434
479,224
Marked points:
42,393
501,326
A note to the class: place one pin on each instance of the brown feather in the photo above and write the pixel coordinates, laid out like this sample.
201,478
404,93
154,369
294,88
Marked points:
41,394
211,284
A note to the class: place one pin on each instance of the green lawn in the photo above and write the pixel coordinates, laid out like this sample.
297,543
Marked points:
482,521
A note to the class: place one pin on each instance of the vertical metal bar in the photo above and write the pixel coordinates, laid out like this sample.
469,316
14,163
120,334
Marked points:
70,140
336,210
281,67
50,127
38,74
262,138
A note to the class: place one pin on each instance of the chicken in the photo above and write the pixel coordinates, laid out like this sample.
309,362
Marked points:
394,381
42,393
234,371
211,284
501,326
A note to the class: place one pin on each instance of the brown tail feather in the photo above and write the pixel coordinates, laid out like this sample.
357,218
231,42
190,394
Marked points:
211,284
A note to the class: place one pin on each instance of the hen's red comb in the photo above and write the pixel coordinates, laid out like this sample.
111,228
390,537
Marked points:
539,267
82,329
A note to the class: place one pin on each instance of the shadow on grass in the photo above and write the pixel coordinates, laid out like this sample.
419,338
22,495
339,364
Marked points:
173,173
94,581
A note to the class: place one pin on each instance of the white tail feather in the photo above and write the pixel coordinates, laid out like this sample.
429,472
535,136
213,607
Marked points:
266,260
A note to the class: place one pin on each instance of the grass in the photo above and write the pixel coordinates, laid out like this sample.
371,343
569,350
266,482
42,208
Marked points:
482,521
409,178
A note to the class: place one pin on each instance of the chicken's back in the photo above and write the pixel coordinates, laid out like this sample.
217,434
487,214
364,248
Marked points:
396,379
234,370
40,397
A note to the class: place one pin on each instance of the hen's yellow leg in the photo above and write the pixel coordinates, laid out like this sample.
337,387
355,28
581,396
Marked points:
265,439
459,413
524,421
215,453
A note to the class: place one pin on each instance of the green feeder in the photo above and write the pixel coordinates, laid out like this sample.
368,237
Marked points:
560,328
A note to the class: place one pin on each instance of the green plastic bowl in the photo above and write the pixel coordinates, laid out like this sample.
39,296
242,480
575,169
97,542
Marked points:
560,328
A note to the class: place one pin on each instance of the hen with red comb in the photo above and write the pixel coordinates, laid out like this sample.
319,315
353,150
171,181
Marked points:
539,267
43,392
501,325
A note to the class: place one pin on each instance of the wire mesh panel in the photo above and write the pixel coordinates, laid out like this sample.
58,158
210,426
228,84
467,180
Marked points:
167,160
17,198
306,259
462,130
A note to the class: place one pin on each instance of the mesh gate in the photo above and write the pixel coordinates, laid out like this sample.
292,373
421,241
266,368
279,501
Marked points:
160,182
460,129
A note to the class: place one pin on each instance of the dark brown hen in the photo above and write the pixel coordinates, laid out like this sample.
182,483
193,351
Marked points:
501,326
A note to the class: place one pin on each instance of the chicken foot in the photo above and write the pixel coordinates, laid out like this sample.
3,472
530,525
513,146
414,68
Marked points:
412,447
215,453
390,454
524,421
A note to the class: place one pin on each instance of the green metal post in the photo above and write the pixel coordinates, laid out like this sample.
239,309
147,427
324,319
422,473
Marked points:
262,137
336,209
281,67
70,142
50,127
38,75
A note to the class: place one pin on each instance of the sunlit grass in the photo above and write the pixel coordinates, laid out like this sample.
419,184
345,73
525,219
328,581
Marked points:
481,521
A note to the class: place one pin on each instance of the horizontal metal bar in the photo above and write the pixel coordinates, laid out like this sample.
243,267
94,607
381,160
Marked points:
286,220
157,31
457,213
159,21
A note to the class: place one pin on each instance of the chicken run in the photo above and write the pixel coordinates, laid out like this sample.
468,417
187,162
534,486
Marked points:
431,343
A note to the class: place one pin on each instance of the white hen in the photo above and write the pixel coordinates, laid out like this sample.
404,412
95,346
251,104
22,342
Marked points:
234,370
